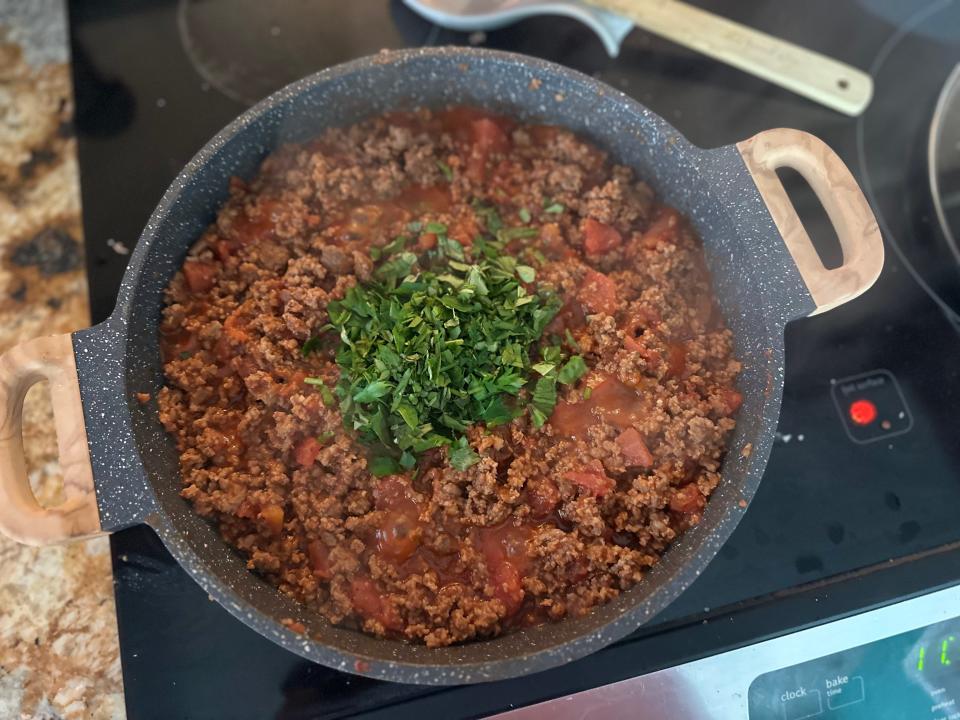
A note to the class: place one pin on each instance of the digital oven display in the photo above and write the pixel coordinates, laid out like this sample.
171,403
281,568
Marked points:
911,676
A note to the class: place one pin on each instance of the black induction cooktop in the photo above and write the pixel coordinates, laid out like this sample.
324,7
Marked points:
859,505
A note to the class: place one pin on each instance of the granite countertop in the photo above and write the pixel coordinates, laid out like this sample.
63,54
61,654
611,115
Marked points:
59,653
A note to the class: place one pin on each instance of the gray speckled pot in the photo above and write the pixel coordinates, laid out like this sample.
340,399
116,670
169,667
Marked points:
757,281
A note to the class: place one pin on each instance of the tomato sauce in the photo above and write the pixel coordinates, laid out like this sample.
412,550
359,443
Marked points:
611,401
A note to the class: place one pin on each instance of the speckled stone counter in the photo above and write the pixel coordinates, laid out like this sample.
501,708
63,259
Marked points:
59,655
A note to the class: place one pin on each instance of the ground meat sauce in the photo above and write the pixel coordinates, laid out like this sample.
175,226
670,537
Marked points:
551,521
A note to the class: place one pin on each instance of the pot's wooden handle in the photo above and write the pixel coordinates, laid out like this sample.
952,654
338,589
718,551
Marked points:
21,516
805,72
838,191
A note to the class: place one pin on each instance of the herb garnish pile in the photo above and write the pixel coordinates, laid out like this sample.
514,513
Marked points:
444,339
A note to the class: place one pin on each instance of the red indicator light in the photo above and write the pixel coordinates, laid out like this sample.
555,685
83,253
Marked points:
863,412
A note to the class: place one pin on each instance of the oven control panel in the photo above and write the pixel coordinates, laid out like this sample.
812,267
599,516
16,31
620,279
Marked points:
911,676
898,662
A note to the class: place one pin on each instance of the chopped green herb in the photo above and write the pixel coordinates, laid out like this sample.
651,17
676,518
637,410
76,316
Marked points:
587,392
383,465
544,368
508,234
374,391
489,215
544,400
462,455
526,273
571,341
314,381
434,344
395,245
396,268
324,438
572,371
445,169
327,396
554,209
524,215
451,248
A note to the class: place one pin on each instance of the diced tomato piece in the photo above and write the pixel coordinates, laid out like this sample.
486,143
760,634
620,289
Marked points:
489,137
319,556
427,241
569,317
598,293
599,238
306,452
506,542
392,492
573,419
365,597
544,497
733,400
676,360
663,230
222,249
477,166
199,275
651,356
507,586
293,383
370,604
687,499
634,449
552,243
399,535
244,229
507,557
592,480
234,327
457,121
618,403
272,516
464,229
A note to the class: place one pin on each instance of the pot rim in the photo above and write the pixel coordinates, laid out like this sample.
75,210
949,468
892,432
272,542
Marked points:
541,655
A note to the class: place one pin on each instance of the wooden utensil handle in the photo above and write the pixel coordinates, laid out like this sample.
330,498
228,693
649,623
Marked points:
805,72
838,191
21,516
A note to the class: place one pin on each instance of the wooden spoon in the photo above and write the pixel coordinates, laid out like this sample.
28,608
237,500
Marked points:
805,72
815,76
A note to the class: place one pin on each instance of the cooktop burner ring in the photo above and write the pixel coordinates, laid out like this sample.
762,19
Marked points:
944,147
284,40
909,27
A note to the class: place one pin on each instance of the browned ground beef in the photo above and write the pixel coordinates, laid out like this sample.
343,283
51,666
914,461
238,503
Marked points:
550,522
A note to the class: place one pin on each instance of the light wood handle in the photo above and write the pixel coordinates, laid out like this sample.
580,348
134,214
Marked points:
21,516
805,72
838,191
